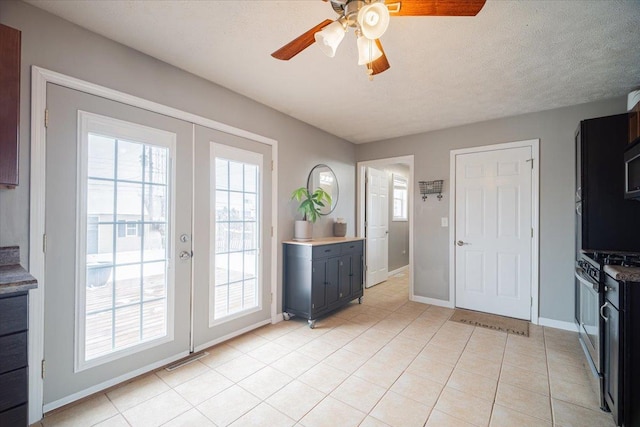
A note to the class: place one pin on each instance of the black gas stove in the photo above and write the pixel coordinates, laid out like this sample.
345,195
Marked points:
590,278
624,259
591,263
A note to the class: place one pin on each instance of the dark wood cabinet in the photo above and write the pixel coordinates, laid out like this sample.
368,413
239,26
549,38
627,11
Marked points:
602,213
321,276
13,359
634,123
621,338
10,106
611,359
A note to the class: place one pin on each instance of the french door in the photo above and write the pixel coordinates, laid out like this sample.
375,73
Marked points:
231,245
152,248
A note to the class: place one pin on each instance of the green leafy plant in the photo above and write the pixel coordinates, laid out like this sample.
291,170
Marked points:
311,203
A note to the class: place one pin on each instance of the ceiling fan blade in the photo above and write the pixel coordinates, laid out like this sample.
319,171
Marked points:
381,64
300,43
435,7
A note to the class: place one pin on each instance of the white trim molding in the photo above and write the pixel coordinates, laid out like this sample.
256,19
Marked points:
39,79
361,206
431,301
558,324
233,335
109,383
535,217
398,271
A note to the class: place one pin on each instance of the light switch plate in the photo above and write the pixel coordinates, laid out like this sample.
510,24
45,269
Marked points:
444,222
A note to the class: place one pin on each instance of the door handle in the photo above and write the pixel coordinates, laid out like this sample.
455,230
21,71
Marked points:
184,255
606,319
461,243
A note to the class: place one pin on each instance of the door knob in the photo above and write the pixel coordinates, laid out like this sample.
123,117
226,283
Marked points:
184,255
460,243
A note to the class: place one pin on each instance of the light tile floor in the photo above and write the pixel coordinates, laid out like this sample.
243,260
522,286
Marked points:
387,362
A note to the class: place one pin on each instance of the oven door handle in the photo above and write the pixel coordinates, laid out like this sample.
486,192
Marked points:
586,280
605,305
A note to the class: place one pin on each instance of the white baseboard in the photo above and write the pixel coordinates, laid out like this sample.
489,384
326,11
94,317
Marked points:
109,383
398,270
122,378
558,324
232,335
431,301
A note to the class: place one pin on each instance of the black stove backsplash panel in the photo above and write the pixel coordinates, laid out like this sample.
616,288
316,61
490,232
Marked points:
605,219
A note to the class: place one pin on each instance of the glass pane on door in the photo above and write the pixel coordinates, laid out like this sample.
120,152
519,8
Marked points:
126,227
236,235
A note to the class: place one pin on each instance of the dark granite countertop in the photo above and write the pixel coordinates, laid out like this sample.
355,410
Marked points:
14,278
628,274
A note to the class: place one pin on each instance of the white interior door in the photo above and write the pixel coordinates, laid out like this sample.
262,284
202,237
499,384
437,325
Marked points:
377,226
117,291
232,242
494,232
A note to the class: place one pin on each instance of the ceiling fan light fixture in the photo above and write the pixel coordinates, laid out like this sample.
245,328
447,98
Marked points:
373,20
368,50
329,38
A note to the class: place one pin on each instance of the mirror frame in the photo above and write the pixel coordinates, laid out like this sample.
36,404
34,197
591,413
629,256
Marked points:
334,197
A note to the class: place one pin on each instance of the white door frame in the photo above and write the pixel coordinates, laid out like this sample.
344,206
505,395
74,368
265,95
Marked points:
535,217
39,79
361,204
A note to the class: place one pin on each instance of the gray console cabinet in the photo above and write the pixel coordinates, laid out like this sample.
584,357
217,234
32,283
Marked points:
321,276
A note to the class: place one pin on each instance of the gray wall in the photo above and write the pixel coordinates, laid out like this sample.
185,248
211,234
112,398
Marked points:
398,230
56,44
555,129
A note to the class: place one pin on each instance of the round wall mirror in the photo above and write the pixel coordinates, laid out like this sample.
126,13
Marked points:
322,176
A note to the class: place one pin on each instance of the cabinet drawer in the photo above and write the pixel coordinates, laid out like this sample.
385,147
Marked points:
13,388
17,416
13,314
352,247
324,251
13,352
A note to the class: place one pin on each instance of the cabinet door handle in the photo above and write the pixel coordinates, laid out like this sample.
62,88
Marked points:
327,250
606,319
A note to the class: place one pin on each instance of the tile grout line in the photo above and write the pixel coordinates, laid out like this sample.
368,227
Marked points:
546,358
445,384
495,396
352,374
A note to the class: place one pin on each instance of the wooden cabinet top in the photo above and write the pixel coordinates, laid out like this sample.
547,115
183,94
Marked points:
324,241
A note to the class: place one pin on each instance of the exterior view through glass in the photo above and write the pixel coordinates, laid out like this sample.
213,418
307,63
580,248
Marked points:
126,247
236,237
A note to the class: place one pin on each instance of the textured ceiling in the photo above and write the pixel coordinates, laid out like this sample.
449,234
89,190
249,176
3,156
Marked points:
514,57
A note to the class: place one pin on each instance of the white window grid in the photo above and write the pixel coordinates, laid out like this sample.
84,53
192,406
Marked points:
400,198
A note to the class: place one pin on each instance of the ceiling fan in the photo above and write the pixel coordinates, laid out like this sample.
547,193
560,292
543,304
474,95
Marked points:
370,19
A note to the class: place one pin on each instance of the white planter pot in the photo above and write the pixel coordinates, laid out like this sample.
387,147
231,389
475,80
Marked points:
303,231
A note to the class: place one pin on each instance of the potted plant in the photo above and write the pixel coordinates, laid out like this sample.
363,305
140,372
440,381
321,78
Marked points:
310,206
